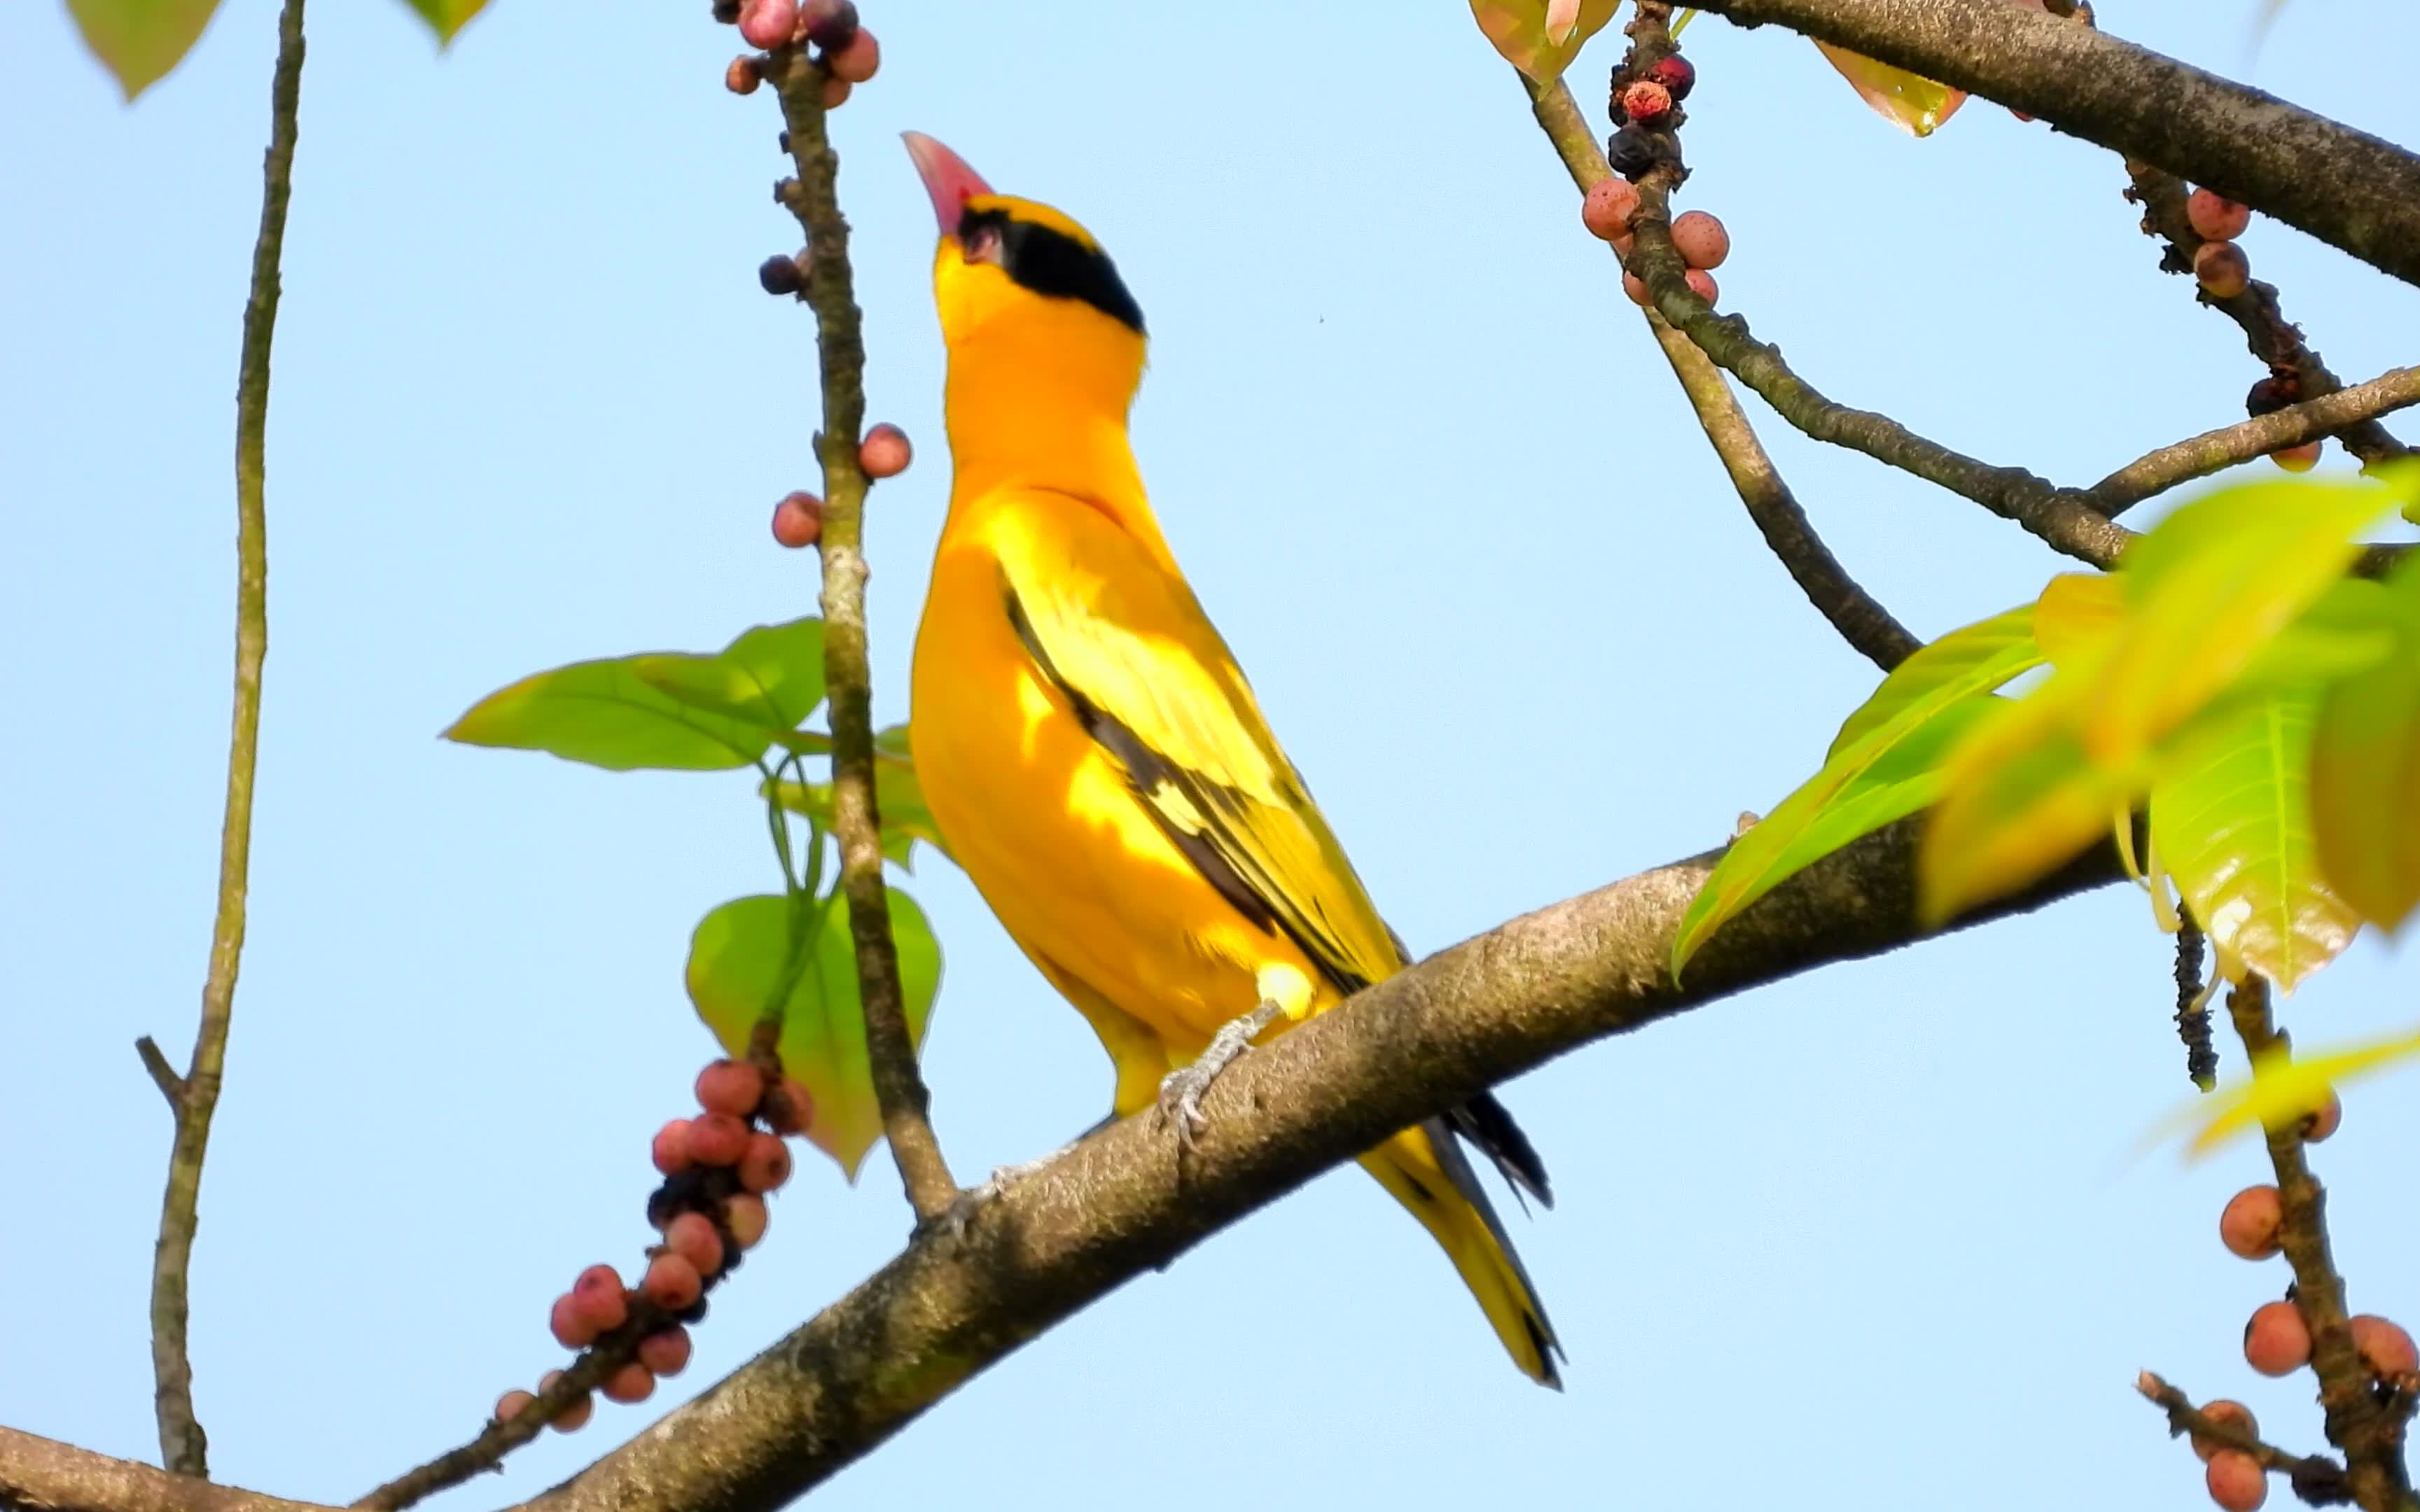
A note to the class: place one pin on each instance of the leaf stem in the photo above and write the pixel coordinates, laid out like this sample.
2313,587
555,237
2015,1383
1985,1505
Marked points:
184,1448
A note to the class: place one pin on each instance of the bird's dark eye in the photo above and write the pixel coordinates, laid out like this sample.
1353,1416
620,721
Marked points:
981,244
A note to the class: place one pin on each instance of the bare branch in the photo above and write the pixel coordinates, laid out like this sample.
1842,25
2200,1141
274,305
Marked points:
183,1446
2338,413
39,1475
163,1075
2317,1479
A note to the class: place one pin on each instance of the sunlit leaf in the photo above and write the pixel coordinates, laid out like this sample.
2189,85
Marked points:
446,16
138,41
1542,37
2365,772
2078,612
2019,799
2281,1092
1915,105
2230,819
659,709
736,960
1973,658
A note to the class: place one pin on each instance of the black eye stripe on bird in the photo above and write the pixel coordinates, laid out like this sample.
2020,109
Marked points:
1048,261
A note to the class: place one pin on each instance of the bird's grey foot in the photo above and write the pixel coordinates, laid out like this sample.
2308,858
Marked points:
1181,1090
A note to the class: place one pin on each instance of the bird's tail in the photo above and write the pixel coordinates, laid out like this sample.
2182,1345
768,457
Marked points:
1425,1169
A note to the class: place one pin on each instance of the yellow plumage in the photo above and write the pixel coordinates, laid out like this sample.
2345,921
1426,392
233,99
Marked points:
1089,747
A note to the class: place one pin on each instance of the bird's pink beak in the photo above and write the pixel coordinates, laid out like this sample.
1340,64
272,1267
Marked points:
946,177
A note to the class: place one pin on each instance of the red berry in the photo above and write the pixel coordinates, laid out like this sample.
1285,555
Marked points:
2276,1341
791,1110
597,1299
670,1283
691,1237
717,1139
571,1325
670,1151
2214,217
1635,287
767,23
575,1417
744,1214
2248,1227
798,521
2322,1123
2222,268
732,1087
856,61
743,76
2300,459
512,1404
766,1164
1701,240
2236,1481
781,275
836,93
1607,208
2385,1345
1677,75
1702,283
2233,1414
1647,103
666,1351
634,1383
885,452
828,24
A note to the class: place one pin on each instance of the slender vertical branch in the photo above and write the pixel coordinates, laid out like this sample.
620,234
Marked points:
183,1447
813,197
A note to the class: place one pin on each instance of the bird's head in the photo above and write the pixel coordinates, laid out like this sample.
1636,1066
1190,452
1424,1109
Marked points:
1013,272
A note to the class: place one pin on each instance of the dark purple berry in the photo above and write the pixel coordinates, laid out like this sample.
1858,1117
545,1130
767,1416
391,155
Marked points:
1631,152
780,275
831,24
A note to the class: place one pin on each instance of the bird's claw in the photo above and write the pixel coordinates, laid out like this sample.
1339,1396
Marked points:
1180,1102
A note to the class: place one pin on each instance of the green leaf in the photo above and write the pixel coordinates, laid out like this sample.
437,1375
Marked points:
1973,658
906,817
2365,772
1542,37
662,710
446,16
2230,821
734,963
2020,797
1910,102
138,41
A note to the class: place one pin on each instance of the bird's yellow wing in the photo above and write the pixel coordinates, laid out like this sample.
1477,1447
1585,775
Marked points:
1126,643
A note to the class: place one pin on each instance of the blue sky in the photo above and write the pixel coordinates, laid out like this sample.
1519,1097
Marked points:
1876,1236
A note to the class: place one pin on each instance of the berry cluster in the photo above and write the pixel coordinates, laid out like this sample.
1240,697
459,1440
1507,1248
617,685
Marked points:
1646,111
1697,237
2278,1340
2282,387
718,1168
848,53
2223,271
798,519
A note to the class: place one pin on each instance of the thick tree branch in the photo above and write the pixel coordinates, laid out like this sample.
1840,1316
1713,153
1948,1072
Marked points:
813,197
2316,1479
194,1096
39,1475
2348,188
2200,456
1857,615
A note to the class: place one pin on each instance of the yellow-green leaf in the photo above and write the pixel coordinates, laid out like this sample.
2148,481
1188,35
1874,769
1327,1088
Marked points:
1915,105
1973,658
1542,37
446,16
772,675
736,962
2230,821
138,41
2282,1091
2077,612
900,797
2365,772
2019,799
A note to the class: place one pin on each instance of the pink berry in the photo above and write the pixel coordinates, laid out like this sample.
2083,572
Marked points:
767,23
2222,268
1635,286
575,1417
691,1237
856,62
798,519
1701,240
2232,1413
571,1325
600,1308
666,1351
2300,459
766,1164
512,1404
634,1383
828,24
1607,208
2385,1345
2322,1123
732,1087
1647,103
2236,1481
2276,1342
1702,283
2248,1227
836,92
744,1214
671,1151
792,1109
885,452
717,1139
670,1283
743,76
2214,217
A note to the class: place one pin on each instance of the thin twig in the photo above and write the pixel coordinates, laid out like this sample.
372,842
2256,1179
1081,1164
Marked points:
2317,1479
163,1075
1857,615
2369,1432
184,1448
813,197
2339,414
2192,1003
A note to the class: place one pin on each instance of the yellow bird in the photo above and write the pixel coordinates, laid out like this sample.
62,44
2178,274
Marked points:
1096,761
